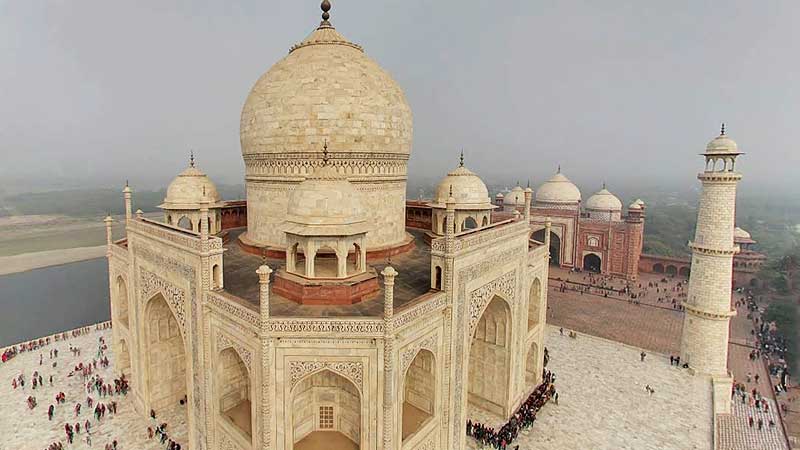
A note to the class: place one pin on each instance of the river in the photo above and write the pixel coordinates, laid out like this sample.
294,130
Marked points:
45,301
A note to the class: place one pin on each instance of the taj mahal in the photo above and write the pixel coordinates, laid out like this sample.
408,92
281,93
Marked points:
326,307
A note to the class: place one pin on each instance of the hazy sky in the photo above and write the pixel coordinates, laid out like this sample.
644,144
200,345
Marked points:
96,91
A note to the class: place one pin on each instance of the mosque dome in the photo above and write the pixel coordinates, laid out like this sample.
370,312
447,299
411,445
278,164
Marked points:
515,197
468,189
558,189
722,144
603,200
326,88
325,204
187,189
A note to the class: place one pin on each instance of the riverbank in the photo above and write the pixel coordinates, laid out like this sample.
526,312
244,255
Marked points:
39,260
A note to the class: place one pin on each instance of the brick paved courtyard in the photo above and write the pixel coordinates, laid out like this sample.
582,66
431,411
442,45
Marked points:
603,404
24,429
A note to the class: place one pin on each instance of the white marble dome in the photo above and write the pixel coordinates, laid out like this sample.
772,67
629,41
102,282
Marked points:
186,190
515,197
559,190
469,191
326,88
722,144
603,200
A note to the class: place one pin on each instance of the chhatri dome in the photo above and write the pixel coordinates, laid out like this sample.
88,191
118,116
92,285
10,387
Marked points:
722,144
603,200
189,188
468,190
326,89
558,189
515,197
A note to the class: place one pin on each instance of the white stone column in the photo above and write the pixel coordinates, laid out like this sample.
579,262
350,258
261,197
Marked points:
266,348
528,197
108,221
548,226
204,218
126,193
705,336
389,273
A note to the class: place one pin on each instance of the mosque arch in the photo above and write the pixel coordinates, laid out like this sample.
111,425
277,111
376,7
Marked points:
532,370
325,408
166,355
122,301
534,303
592,262
419,393
325,263
490,358
185,223
684,271
658,268
485,221
437,278
671,270
234,391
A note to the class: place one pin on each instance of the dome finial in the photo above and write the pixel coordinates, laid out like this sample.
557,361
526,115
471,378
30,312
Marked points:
191,158
529,183
326,6
559,169
604,184
722,129
461,159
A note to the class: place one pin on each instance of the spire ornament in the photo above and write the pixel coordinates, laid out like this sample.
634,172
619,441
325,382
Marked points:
191,158
722,129
461,159
325,6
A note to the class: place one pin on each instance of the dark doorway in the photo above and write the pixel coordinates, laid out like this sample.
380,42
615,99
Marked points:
591,263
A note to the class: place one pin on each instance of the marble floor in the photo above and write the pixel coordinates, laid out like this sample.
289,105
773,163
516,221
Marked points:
603,404
25,429
326,440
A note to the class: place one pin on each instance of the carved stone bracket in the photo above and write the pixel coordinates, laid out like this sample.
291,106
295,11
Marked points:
411,351
352,370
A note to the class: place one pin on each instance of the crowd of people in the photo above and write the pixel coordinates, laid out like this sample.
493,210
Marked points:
667,291
37,344
522,419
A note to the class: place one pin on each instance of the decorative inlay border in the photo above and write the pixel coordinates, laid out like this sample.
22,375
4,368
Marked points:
152,284
404,317
352,370
224,342
480,298
326,326
411,351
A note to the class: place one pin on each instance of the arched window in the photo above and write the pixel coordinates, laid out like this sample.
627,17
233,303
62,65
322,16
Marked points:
122,301
216,274
469,224
419,393
437,283
672,270
185,223
658,268
592,263
490,359
485,221
534,303
233,384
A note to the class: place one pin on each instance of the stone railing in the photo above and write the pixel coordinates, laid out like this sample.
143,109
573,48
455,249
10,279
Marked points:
175,235
422,307
238,308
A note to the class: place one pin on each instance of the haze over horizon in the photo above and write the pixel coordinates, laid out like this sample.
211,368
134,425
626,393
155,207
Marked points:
97,92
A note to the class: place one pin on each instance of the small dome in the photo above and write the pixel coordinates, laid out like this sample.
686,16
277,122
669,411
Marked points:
558,190
324,200
739,233
515,197
603,200
499,195
634,206
186,190
722,144
639,202
469,191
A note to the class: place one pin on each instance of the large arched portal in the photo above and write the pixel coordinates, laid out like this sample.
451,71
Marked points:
233,386
326,413
166,355
534,303
555,245
490,358
591,263
419,393
122,301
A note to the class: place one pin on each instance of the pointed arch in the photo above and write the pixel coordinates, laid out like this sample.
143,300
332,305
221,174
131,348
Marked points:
234,395
165,353
122,305
534,303
490,358
419,393
325,407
